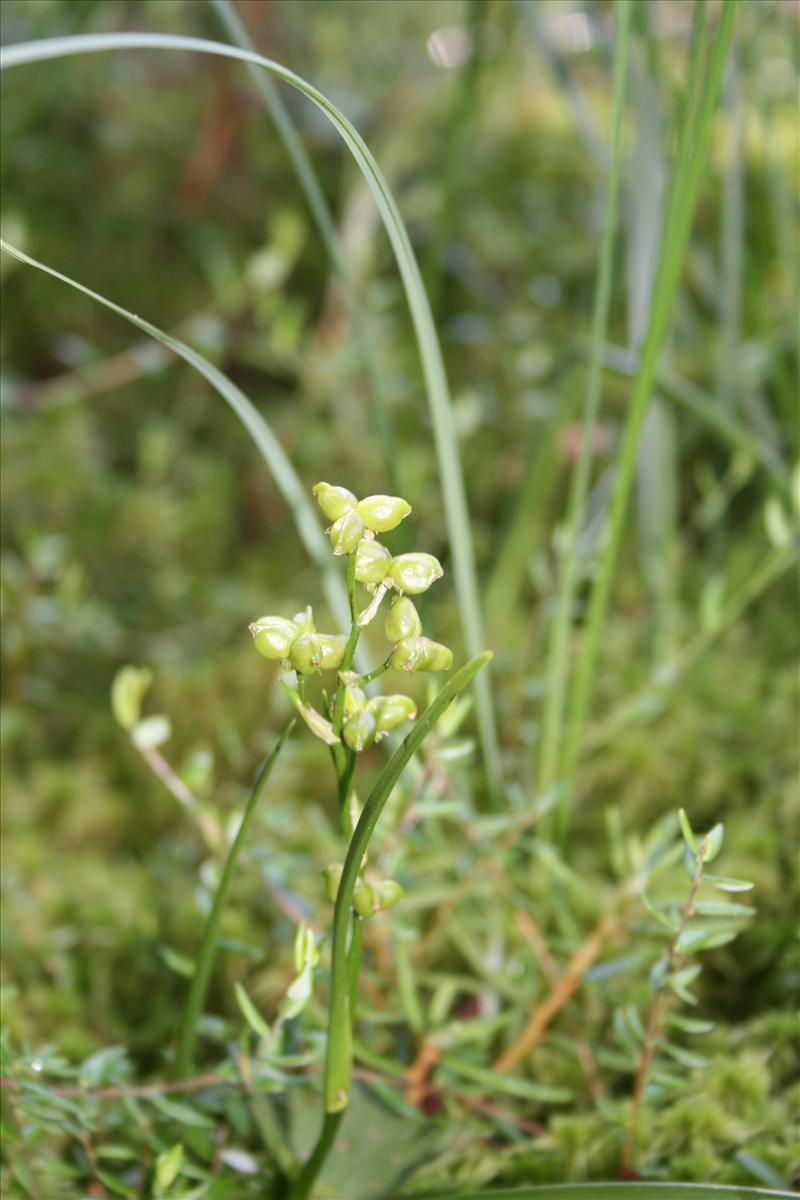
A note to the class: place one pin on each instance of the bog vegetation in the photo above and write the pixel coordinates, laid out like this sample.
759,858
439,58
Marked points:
393,913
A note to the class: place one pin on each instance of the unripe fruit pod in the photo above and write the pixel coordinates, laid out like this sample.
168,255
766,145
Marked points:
364,900
372,561
407,654
306,654
390,711
346,533
387,893
334,501
355,700
332,876
360,731
274,636
372,898
403,620
437,657
317,652
421,654
333,648
415,572
382,513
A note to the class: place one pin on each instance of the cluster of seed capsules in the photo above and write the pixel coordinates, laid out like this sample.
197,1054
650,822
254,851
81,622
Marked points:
298,644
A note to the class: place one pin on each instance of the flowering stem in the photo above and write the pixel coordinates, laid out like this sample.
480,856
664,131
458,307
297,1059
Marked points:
344,773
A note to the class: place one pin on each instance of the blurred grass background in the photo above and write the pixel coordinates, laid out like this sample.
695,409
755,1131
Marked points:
139,524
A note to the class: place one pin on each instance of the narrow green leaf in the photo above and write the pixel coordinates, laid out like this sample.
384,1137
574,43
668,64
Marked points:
622,1191
727,885
559,639
314,720
718,908
508,1085
688,1024
114,1184
168,1166
685,1057
691,160
250,1012
181,964
669,922
208,947
183,1114
699,937
712,843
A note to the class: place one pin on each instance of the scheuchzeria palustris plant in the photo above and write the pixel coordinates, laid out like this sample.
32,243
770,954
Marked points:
349,723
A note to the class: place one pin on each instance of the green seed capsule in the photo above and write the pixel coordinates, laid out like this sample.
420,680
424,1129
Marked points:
421,654
403,620
382,513
333,648
365,902
332,876
306,654
390,711
274,636
346,533
355,701
415,572
437,657
360,731
372,561
334,501
305,620
317,652
387,893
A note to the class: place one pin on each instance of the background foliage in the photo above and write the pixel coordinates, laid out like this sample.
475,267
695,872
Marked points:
139,525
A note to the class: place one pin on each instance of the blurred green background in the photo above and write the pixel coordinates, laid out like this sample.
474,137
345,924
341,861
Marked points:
139,525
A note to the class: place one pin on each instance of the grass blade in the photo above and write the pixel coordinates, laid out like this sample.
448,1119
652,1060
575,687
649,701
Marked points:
558,649
623,1191
270,449
268,445
692,156
445,437
208,946
326,226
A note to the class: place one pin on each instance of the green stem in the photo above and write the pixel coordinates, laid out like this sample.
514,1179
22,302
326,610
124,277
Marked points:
559,645
692,157
305,1180
339,1053
346,791
354,963
368,678
344,769
205,959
